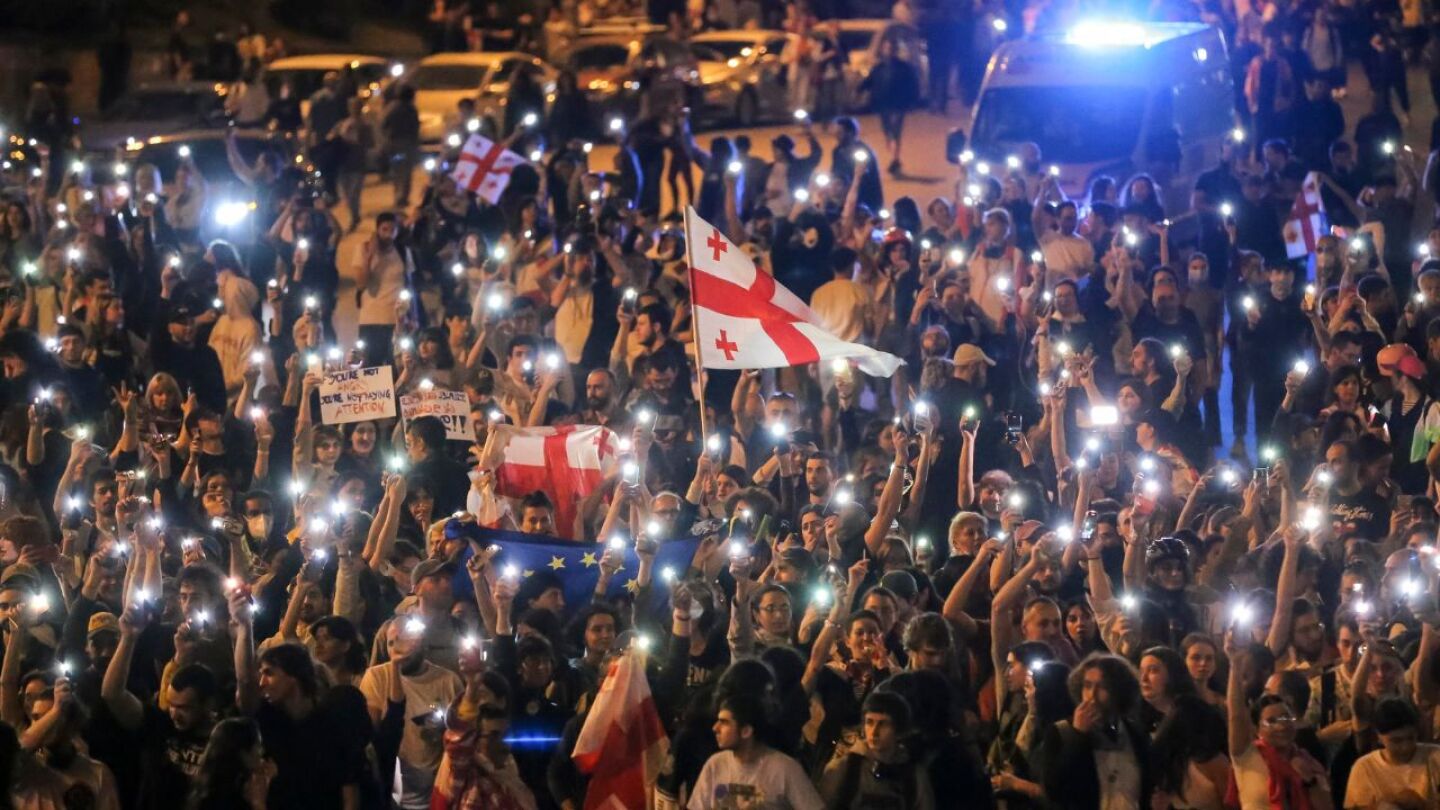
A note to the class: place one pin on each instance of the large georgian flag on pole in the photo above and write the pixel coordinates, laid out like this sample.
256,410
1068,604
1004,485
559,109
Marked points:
567,463
484,167
1306,223
743,319
622,744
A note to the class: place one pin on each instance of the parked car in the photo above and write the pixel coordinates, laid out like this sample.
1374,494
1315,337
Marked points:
442,79
602,64
610,70
620,26
154,109
740,76
861,40
306,74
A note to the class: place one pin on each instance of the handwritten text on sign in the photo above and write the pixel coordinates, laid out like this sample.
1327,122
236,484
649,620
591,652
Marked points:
450,407
355,396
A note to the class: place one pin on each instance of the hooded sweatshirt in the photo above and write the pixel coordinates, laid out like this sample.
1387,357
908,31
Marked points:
236,333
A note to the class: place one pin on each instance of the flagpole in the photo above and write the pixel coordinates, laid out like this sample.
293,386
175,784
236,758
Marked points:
695,332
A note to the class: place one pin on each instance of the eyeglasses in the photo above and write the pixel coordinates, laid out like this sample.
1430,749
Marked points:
1278,720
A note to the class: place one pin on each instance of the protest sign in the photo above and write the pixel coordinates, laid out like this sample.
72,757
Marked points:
450,407
357,395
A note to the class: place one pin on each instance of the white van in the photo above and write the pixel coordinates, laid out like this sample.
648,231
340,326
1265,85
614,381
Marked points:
1113,98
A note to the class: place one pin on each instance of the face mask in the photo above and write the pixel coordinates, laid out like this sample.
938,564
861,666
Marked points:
259,526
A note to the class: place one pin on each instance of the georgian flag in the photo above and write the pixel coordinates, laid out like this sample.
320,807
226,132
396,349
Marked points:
1306,223
744,319
622,744
567,463
484,167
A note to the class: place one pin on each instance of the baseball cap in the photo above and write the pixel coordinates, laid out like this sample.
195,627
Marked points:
102,622
21,576
431,567
1400,357
1029,530
969,353
900,583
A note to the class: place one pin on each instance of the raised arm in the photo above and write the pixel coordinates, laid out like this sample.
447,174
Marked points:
831,632
929,449
1279,637
1241,730
959,597
247,685
238,166
965,493
123,705
889,504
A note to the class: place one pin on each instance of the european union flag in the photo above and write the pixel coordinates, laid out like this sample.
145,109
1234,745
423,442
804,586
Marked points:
576,566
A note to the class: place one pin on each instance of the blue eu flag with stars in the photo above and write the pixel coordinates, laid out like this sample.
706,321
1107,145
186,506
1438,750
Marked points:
576,566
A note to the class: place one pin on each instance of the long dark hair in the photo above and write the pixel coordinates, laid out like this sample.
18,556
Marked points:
1177,678
9,764
1194,731
1053,701
223,771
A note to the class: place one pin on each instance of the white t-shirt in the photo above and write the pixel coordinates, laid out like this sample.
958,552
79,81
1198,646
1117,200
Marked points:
984,290
1066,257
573,321
421,747
1374,780
773,782
387,279
841,305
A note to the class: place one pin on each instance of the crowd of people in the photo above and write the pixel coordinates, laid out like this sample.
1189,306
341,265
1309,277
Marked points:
1024,571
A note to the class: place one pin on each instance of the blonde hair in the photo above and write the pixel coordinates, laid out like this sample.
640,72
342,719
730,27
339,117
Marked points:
163,380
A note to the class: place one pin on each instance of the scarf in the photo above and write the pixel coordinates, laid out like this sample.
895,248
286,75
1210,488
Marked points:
1285,788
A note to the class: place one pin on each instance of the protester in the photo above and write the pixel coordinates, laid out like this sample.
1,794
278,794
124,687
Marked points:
574,504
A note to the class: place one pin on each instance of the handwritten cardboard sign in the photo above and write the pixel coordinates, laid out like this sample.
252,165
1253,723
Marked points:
450,407
357,396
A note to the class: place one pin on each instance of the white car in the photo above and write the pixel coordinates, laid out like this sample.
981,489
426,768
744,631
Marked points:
306,74
443,79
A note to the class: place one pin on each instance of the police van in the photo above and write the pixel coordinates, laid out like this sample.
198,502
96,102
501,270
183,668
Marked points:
1111,98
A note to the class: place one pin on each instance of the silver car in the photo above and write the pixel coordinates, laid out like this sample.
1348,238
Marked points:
154,109
740,76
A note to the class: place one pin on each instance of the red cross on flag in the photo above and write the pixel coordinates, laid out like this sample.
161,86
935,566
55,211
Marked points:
1306,223
567,463
743,319
484,168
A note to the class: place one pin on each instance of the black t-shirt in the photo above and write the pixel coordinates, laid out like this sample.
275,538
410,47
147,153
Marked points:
1186,331
1219,185
1411,476
1364,512
169,760
315,757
